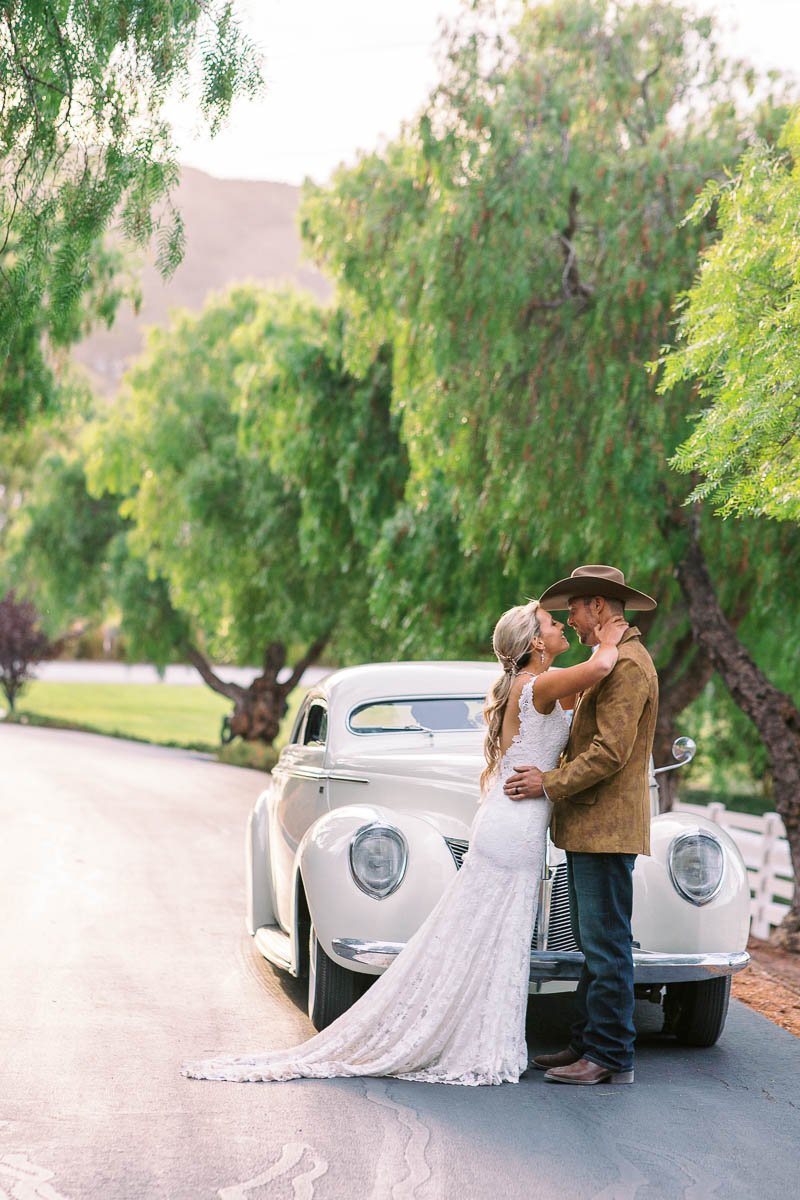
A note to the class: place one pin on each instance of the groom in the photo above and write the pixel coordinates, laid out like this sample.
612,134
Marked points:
601,817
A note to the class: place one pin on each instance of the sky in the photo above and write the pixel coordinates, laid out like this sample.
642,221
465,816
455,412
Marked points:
342,75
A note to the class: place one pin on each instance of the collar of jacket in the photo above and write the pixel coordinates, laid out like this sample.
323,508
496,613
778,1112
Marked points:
630,633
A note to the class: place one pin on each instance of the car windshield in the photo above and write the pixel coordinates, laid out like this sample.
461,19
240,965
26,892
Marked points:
424,714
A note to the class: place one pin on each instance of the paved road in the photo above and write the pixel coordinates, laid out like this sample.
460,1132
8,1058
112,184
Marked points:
123,953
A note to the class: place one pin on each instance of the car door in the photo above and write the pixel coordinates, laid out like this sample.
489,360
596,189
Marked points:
301,796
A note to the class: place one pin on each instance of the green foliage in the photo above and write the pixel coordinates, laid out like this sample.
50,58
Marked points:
83,142
62,524
26,458
151,626
331,438
69,549
739,337
254,756
230,477
521,247
433,599
723,733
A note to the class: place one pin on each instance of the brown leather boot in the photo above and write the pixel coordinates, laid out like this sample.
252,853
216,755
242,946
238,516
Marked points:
585,1073
562,1058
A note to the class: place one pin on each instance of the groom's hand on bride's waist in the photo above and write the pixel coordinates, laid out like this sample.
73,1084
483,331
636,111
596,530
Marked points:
524,784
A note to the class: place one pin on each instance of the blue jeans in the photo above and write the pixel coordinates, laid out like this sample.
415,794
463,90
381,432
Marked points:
600,903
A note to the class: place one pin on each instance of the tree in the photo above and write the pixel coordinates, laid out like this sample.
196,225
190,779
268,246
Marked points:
61,537
217,514
521,247
774,712
22,644
83,139
739,338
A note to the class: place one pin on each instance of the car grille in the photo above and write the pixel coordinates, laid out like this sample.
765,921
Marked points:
458,849
559,933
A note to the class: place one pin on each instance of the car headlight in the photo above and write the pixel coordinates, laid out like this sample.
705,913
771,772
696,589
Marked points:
696,865
378,859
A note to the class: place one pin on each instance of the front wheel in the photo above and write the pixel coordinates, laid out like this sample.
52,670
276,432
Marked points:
696,1012
331,988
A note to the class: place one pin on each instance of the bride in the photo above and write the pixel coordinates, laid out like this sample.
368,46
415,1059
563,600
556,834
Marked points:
451,1007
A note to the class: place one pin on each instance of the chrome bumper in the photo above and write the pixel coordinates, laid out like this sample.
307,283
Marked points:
648,966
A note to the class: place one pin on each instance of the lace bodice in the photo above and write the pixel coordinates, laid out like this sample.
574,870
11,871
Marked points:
541,737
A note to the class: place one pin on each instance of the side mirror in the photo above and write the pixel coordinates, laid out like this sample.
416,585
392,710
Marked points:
683,751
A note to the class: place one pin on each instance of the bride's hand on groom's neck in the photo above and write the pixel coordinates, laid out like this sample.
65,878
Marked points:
611,631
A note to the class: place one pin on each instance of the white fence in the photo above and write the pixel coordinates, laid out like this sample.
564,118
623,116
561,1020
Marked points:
762,841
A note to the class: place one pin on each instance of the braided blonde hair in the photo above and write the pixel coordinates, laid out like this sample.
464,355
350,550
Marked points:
511,642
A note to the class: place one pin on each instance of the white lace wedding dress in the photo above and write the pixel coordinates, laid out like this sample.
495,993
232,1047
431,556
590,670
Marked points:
451,1008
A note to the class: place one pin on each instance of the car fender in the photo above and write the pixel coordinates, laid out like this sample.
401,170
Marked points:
339,908
260,907
664,920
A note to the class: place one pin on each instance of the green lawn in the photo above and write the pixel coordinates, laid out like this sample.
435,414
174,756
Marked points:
167,714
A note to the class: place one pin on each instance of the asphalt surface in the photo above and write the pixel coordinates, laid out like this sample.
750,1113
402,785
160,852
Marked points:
123,953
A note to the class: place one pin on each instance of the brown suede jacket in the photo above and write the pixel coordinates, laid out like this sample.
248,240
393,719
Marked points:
600,794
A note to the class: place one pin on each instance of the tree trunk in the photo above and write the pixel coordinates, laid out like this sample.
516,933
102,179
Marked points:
679,683
259,708
773,713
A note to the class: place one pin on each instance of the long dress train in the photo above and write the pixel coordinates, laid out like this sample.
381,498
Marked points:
451,1007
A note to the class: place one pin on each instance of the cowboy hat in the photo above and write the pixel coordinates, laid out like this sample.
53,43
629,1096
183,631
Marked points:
595,580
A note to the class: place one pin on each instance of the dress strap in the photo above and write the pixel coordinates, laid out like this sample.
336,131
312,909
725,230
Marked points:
526,698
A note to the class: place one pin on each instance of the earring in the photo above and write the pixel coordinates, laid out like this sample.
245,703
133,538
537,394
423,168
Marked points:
541,656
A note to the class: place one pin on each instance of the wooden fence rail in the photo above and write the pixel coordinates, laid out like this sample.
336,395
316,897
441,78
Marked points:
765,850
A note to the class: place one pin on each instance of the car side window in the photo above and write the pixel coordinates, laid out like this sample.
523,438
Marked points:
316,730
297,728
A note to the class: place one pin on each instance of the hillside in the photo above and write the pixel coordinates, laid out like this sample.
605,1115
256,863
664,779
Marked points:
235,230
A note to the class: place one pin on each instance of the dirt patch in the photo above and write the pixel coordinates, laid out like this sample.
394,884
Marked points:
771,985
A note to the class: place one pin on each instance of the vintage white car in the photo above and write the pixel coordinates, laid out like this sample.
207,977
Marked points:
366,820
